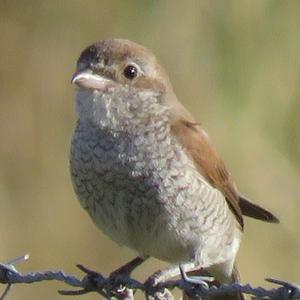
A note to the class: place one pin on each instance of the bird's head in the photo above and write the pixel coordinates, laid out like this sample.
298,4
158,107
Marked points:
120,80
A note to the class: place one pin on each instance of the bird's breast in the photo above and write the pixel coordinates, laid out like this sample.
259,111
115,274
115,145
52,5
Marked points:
144,192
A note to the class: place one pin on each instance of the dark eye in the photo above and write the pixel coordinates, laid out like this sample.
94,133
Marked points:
130,72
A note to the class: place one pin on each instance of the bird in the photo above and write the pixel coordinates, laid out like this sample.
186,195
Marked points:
146,171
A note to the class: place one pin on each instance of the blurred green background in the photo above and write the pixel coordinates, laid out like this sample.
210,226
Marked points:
234,64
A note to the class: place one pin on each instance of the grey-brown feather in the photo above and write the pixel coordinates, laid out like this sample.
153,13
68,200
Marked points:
141,188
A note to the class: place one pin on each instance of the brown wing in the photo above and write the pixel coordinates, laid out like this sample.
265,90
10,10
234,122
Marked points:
195,140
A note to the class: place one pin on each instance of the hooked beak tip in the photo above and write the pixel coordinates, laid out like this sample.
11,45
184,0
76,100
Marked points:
77,76
88,80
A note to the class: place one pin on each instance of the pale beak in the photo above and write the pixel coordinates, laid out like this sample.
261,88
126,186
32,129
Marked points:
89,80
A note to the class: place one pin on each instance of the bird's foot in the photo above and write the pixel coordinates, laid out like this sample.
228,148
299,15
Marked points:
198,280
155,285
201,281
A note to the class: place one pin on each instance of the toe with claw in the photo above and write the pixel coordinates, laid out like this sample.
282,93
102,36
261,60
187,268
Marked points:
155,288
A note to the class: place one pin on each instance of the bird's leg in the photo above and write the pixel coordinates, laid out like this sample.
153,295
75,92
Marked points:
153,290
161,276
199,276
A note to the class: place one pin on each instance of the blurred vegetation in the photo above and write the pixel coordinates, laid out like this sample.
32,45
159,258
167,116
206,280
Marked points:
235,64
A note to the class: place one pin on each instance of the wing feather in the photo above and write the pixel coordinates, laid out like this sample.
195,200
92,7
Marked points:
196,142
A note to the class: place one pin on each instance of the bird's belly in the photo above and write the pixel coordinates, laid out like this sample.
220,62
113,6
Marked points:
158,206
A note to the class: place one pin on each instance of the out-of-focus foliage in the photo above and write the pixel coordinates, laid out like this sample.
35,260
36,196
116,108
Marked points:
234,64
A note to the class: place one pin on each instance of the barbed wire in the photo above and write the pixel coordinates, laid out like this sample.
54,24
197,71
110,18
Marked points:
123,287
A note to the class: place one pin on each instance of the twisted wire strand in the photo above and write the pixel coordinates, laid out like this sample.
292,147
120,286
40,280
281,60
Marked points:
123,286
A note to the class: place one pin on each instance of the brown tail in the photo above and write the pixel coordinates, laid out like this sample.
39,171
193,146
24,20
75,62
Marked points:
252,210
235,278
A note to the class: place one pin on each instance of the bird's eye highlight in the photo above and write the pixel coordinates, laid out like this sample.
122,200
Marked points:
130,72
